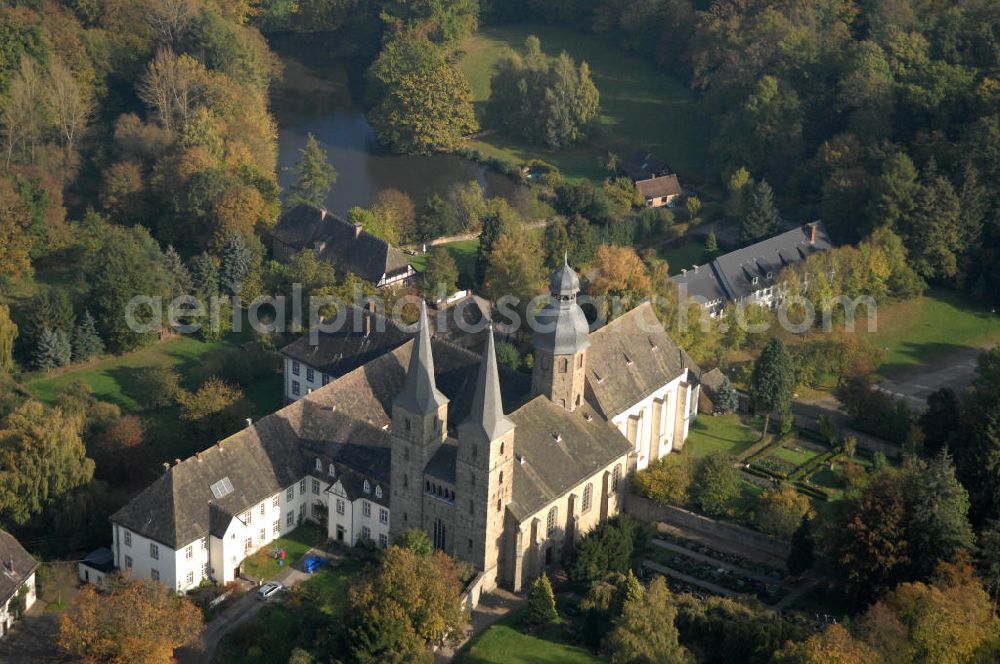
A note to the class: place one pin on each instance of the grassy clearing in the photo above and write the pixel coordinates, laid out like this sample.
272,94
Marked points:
930,327
263,565
719,433
464,253
505,643
690,253
641,106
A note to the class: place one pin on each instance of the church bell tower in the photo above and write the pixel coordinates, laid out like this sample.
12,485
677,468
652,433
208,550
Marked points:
561,340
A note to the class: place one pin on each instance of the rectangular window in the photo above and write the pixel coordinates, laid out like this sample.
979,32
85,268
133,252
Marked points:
310,374
296,390
247,518
290,519
262,506
190,578
128,562
154,551
128,538
204,544
366,532
276,527
204,571
316,510
383,540
290,494
276,501
315,486
383,515
302,487
326,379
189,553
295,368
366,508
340,506
154,574
247,545
263,534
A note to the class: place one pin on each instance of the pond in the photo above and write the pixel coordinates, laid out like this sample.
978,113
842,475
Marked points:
321,96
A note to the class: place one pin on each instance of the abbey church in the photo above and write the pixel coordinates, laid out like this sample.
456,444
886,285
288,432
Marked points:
499,468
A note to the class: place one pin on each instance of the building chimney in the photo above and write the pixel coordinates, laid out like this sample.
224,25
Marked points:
696,269
177,462
249,422
357,231
166,466
684,271
198,456
812,233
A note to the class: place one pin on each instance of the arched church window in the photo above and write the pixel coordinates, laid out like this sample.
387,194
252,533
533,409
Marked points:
616,476
550,521
588,497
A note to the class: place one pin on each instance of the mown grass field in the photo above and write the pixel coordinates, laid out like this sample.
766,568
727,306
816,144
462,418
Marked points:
505,643
464,253
719,433
687,254
263,565
641,106
930,327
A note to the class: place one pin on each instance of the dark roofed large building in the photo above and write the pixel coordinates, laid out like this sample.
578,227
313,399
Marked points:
750,274
346,246
500,468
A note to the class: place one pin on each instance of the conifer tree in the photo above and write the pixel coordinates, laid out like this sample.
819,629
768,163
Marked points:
761,216
236,263
86,341
772,381
53,350
555,243
314,176
177,272
541,602
726,399
711,246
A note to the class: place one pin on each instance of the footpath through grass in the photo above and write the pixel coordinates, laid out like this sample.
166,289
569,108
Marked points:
641,106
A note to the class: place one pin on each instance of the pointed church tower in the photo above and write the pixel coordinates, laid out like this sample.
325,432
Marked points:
561,340
419,426
484,471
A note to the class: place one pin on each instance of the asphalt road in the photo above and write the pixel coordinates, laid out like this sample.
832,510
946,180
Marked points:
955,370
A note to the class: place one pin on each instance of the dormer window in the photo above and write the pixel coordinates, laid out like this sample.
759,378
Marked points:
378,491
755,280
598,377
367,487
770,275
319,464
628,360
331,470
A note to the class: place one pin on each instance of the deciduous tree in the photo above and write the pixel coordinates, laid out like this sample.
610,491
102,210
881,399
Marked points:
441,275
646,632
716,484
133,621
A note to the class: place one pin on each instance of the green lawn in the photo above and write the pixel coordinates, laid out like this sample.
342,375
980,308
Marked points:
797,455
719,433
113,379
929,327
686,255
263,565
464,253
505,643
641,106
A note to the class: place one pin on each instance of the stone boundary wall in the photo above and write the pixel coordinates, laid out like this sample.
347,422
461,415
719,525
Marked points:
647,510
472,593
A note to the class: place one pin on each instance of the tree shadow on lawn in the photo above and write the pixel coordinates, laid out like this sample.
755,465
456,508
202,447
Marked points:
923,355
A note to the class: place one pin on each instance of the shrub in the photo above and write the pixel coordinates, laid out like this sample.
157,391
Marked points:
780,510
541,602
666,480
157,387
607,548
716,484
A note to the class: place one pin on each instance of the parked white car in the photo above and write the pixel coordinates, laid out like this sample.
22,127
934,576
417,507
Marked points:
269,590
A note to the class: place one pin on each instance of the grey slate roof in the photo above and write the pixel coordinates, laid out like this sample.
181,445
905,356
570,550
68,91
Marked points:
486,419
22,565
339,352
442,464
419,394
362,254
730,276
561,327
102,559
629,358
559,449
345,422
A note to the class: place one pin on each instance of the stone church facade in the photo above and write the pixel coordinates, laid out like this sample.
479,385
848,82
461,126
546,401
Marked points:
498,468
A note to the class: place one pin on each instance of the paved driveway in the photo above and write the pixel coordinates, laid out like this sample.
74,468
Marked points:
242,610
